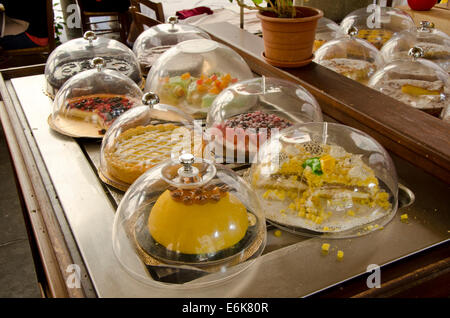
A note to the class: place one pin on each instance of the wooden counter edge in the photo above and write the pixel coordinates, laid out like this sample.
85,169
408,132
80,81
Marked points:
53,251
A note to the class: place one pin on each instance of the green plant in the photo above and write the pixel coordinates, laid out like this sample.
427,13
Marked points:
282,8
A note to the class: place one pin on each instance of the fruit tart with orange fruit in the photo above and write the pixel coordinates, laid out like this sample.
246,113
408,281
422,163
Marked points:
194,94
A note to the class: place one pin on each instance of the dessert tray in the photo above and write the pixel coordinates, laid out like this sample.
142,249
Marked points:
193,216
191,75
325,179
248,113
74,56
144,137
154,41
89,102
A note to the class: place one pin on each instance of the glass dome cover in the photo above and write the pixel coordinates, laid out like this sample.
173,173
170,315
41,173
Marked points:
248,113
143,137
89,102
197,219
191,74
326,30
154,41
435,44
325,179
350,56
416,82
378,24
73,57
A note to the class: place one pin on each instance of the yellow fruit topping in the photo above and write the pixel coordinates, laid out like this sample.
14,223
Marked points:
327,163
315,180
325,248
418,91
404,217
198,228
340,255
185,76
277,233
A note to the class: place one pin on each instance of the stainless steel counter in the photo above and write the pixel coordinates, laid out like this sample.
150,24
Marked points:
291,266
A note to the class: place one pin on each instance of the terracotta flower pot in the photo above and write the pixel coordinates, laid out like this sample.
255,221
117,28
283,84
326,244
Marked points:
289,42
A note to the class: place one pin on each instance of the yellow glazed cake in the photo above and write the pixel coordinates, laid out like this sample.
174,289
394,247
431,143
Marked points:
198,221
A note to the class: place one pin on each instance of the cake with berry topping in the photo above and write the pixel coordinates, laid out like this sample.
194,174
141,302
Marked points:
101,109
245,133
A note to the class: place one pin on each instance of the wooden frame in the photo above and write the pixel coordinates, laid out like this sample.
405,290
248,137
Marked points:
122,19
157,7
36,54
56,247
140,20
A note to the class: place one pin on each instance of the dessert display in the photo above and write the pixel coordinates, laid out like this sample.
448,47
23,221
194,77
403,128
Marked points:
350,56
199,219
326,30
194,93
154,41
328,178
377,37
418,83
191,74
247,114
74,56
89,102
377,24
212,200
101,110
357,70
434,43
255,127
144,137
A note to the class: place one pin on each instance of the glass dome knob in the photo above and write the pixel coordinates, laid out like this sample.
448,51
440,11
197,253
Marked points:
172,20
416,52
352,31
98,62
187,170
426,26
150,99
90,36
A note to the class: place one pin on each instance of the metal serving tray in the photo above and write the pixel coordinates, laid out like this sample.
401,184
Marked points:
291,266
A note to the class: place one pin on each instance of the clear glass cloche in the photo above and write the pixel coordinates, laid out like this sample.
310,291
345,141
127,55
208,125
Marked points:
350,56
143,137
326,30
325,179
154,41
378,24
89,102
416,82
188,223
248,113
73,57
435,44
191,74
